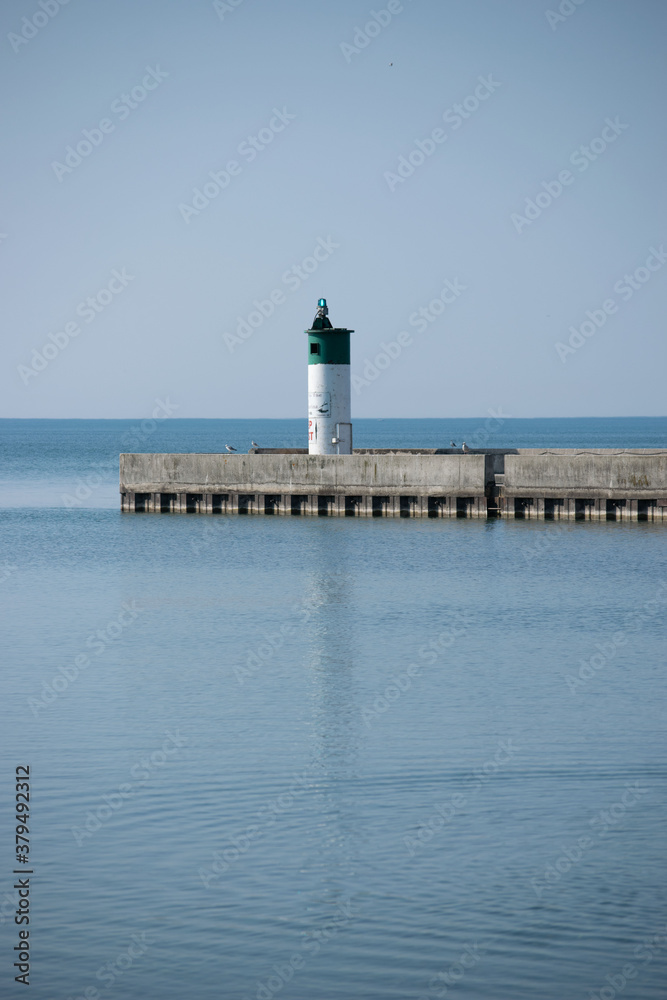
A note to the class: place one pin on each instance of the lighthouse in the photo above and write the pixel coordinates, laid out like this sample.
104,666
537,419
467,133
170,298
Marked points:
329,416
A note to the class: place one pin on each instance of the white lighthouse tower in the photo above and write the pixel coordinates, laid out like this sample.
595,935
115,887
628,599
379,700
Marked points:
329,414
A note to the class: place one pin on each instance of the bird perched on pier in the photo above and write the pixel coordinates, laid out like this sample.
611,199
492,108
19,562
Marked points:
452,444
464,448
254,444
229,447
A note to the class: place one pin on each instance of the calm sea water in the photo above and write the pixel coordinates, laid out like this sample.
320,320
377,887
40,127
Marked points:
329,758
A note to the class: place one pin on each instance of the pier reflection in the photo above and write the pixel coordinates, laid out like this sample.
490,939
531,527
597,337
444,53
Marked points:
330,628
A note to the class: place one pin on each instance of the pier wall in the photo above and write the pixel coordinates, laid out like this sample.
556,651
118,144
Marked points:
603,474
364,473
602,484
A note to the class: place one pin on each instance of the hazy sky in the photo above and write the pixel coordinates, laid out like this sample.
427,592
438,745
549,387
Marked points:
421,167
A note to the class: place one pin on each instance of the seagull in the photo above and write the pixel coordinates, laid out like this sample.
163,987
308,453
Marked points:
254,444
452,444
464,448
229,447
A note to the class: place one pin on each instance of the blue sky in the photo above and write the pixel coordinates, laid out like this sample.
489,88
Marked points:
499,257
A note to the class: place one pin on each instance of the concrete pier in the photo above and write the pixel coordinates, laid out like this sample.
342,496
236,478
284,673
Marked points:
593,484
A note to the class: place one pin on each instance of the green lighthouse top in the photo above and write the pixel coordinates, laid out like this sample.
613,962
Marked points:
327,344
